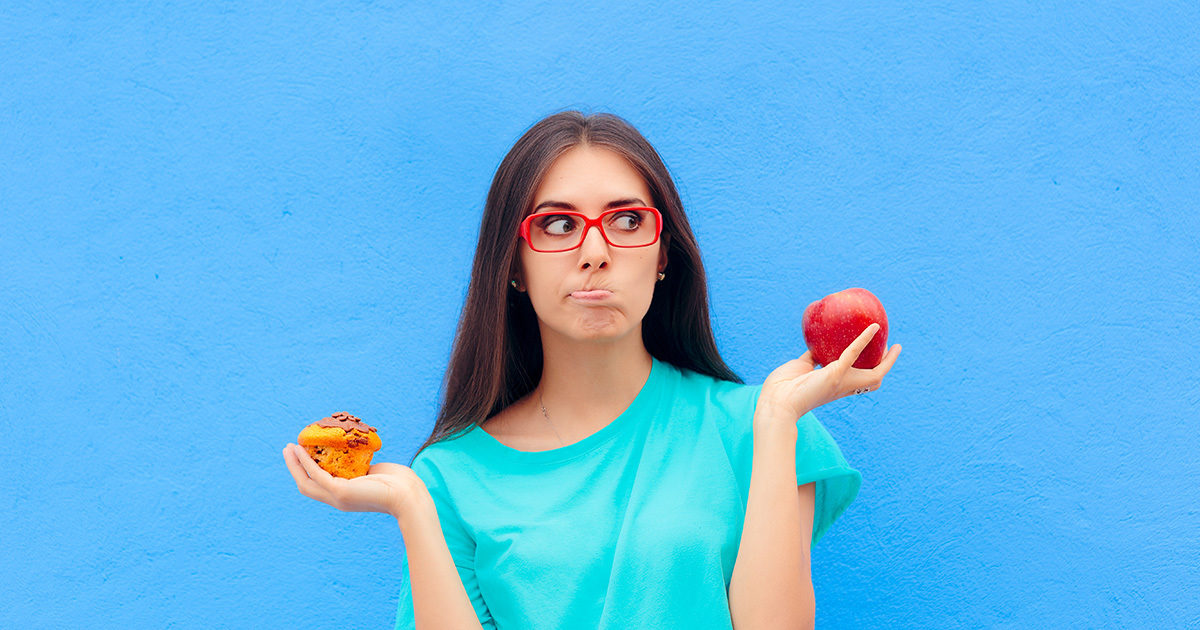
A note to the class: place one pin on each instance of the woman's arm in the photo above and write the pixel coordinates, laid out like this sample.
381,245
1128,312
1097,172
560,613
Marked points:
771,585
439,600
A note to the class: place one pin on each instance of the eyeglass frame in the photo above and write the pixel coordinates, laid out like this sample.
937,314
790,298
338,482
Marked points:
588,224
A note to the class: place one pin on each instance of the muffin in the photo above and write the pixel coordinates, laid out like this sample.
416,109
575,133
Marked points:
341,444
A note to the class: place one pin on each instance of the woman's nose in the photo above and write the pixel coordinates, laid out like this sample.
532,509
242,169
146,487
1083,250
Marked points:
593,249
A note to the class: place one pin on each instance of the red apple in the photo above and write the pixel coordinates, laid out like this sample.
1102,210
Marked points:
833,322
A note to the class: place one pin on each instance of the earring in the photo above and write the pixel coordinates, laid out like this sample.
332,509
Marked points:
514,283
661,275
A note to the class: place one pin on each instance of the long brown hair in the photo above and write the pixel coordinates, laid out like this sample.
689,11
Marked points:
497,354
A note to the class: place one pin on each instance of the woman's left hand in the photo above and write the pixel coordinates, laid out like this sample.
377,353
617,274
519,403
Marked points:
797,387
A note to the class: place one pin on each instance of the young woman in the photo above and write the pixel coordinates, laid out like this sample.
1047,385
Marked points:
595,464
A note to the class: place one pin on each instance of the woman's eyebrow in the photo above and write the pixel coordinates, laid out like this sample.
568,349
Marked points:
633,201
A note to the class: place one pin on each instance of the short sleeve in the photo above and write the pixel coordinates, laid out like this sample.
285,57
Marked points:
460,543
819,460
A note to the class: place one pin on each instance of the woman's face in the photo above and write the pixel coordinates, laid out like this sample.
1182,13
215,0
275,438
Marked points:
589,178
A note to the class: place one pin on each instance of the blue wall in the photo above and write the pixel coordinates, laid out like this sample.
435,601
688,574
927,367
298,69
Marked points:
220,223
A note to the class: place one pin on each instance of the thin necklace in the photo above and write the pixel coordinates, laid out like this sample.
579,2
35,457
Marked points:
544,414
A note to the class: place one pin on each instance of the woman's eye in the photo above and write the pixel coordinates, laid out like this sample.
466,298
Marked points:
558,224
628,220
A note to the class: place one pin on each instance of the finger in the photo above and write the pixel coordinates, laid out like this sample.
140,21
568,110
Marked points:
888,361
304,483
304,480
314,470
871,380
850,354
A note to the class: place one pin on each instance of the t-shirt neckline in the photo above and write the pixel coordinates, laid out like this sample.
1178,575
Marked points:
645,401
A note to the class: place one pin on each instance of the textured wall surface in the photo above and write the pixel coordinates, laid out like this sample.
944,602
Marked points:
219,223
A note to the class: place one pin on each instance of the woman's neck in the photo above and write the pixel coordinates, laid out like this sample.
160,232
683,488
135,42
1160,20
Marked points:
586,385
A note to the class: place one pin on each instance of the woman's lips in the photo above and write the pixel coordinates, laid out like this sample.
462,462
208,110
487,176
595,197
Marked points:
591,296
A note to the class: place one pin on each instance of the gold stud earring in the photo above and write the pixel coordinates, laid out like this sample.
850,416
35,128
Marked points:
661,275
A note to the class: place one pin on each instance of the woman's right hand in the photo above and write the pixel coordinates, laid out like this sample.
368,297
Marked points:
387,488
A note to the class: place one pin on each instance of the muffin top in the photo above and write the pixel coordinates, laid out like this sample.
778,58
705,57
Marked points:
340,429
345,421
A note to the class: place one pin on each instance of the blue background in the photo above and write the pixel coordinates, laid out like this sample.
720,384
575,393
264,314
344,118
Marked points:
220,222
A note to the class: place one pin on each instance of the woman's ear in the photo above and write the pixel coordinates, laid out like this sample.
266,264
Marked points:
662,251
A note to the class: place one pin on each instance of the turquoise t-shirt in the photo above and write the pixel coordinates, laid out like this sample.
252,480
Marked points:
634,526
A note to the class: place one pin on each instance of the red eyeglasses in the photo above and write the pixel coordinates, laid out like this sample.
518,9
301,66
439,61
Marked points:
561,230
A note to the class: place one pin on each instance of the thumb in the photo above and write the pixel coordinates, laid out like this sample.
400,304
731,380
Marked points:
794,368
806,361
386,468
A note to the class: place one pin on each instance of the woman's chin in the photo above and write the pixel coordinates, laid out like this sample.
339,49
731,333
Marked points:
598,328
599,321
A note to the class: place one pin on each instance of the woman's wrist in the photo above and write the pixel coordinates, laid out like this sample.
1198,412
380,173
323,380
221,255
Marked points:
770,418
413,505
